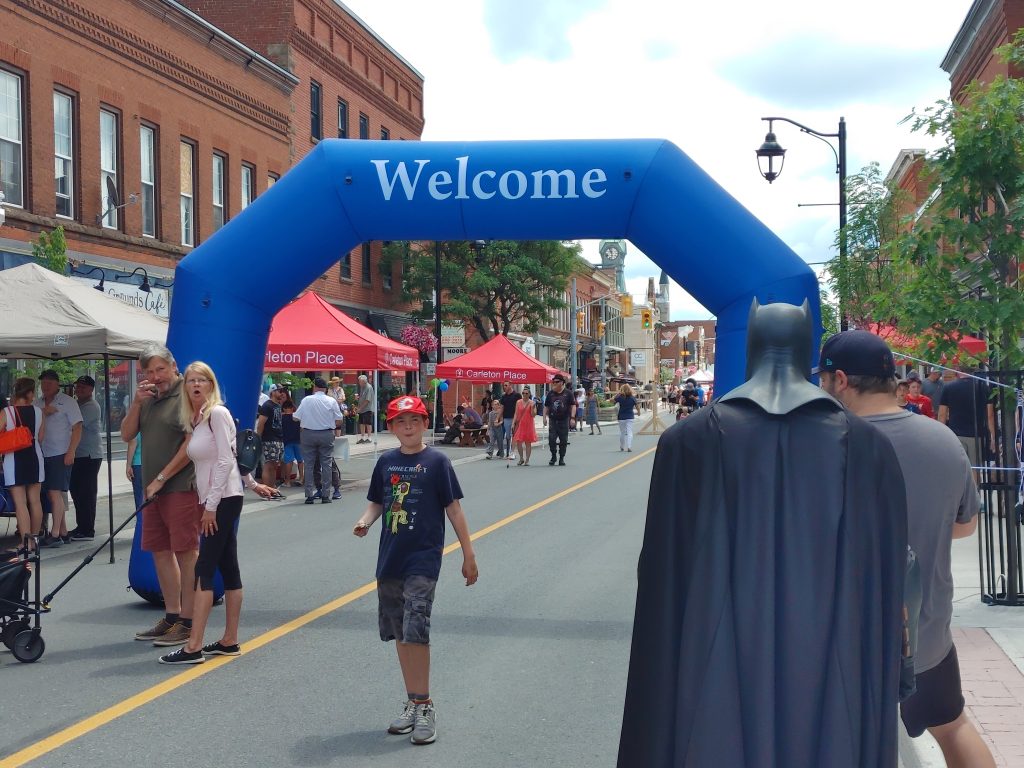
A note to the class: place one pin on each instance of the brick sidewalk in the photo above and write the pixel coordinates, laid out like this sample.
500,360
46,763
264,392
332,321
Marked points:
994,694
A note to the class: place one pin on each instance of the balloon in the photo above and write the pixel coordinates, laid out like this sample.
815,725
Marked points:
434,382
443,386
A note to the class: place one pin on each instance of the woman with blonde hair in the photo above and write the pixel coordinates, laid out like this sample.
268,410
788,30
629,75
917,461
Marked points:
210,442
23,470
627,407
524,430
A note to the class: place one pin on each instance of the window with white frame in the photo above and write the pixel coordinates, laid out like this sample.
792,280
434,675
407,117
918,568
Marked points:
187,158
12,182
63,154
147,144
108,168
219,190
248,180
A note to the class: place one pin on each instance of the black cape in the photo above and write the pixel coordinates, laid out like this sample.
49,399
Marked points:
770,586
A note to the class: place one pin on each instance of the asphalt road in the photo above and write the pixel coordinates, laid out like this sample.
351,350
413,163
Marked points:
529,665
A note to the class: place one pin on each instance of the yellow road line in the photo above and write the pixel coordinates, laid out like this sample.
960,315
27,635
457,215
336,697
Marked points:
180,679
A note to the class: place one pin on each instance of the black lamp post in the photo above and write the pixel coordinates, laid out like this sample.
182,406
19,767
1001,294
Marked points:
771,152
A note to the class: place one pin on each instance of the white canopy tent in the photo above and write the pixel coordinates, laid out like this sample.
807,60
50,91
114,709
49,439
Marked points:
44,315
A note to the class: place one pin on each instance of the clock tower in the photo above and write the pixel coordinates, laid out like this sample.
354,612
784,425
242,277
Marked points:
613,253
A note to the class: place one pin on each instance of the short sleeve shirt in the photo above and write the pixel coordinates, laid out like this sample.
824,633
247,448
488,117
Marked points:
160,425
967,401
57,436
414,490
508,404
89,446
365,402
273,430
559,406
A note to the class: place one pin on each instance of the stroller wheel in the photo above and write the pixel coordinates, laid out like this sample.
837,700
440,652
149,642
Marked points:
28,646
11,631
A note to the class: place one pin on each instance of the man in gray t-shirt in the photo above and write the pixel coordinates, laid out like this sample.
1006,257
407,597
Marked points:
857,369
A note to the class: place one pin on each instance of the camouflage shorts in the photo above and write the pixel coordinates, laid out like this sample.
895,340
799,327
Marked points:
272,451
404,606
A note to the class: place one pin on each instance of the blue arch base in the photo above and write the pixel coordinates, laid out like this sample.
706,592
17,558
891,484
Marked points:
142,571
344,193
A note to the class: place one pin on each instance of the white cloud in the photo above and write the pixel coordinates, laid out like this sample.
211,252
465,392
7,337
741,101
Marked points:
699,74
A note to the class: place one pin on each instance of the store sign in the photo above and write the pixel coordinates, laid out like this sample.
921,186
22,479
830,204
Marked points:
450,352
428,369
156,302
453,335
637,358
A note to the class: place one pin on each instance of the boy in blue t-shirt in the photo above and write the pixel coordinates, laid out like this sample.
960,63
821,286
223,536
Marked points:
411,486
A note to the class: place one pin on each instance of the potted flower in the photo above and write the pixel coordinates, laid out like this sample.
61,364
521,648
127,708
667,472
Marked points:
419,337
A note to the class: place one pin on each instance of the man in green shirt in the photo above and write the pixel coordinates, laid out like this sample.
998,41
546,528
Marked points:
170,524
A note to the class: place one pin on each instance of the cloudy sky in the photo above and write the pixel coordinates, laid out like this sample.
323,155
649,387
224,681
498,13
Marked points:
700,74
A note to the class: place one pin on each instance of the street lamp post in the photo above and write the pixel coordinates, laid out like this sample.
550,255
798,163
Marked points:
437,300
771,151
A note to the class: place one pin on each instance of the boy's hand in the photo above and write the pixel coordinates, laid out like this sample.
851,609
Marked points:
470,571
361,529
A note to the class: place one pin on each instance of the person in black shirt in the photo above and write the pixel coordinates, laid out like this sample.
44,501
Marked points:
271,431
966,408
560,410
509,398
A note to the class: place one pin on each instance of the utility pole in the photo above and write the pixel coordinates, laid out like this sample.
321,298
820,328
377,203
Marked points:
604,335
573,331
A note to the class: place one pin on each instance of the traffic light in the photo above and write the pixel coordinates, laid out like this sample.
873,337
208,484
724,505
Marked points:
579,319
627,306
600,328
646,319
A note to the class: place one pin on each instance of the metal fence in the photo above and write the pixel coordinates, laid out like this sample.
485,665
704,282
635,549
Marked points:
1000,483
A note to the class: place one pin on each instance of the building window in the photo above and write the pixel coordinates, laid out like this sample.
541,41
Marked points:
187,167
364,126
109,192
272,179
147,144
11,150
367,276
315,112
345,267
248,182
64,154
342,119
219,190
385,134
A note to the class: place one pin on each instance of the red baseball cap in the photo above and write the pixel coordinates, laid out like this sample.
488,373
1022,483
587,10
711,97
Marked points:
406,404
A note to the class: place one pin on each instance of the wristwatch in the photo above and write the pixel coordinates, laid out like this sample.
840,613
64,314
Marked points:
160,477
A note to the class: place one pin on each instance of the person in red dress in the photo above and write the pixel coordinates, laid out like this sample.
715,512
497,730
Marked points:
524,431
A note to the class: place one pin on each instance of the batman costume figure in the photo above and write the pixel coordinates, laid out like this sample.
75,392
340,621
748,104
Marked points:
770,585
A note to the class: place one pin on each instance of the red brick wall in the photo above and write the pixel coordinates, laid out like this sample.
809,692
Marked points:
117,54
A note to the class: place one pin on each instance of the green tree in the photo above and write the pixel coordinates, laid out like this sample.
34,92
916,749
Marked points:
872,234
829,315
51,250
962,255
493,287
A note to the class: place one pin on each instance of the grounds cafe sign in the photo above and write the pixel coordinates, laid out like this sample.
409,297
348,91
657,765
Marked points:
155,302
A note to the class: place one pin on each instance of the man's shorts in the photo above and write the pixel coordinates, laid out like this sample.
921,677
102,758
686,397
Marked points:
938,699
403,609
292,452
366,418
56,475
171,523
272,451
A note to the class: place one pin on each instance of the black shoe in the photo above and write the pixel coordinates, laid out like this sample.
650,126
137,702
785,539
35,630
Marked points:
561,462
310,500
216,649
77,535
552,462
65,539
181,656
325,500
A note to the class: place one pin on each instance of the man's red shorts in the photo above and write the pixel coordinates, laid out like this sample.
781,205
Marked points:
171,522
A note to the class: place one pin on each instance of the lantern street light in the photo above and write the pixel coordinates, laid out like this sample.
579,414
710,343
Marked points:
771,156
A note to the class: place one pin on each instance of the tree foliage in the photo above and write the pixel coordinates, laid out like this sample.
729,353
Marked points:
495,287
955,263
51,250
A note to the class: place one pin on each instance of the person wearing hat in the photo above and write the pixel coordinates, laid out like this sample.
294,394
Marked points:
857,368
560,410
321,422
414,487
270,428
62,422
84,485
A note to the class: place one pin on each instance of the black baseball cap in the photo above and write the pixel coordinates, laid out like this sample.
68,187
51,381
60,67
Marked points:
857,353
89,380
558,377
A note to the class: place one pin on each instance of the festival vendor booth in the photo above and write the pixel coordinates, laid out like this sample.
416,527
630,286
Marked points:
901,341
312,335
47,316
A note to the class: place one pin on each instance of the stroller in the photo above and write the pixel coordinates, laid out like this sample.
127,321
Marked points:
19,616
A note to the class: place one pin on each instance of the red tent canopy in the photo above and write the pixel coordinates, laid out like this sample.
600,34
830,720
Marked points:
972,345
310,334
497,360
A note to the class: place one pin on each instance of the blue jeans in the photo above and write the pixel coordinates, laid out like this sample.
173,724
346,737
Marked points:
506,437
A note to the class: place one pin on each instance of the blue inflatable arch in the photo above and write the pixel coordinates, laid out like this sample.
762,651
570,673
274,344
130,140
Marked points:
348,192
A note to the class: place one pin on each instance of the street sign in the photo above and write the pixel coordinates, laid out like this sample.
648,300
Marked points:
637,358
428,369
450,352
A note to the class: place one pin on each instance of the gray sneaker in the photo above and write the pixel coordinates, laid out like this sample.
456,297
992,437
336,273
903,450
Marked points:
425,729
405,721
